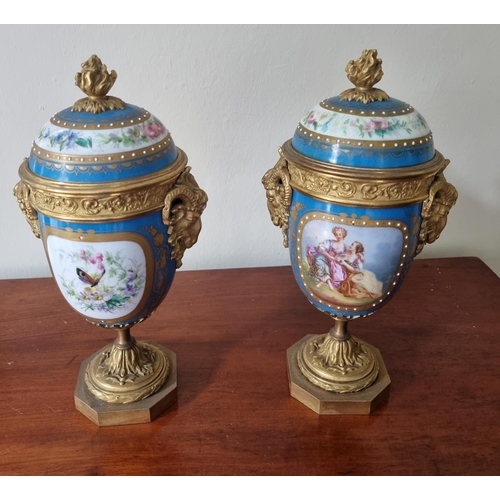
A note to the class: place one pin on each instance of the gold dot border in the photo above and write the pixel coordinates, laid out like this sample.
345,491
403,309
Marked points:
373,144
405,111
353,220
136,154
101,126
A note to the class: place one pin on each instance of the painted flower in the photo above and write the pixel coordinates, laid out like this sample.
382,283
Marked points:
380,124
119,282
72,139
369,127
134,134
66,139
61,137
420,122
153,129
113,138
311,119
44,133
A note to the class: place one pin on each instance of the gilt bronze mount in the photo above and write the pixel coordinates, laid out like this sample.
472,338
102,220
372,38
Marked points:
116,206
358,191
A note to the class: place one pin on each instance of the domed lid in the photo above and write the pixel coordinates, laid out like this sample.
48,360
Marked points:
363,126
101,138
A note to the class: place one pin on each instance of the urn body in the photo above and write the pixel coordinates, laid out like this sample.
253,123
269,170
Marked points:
98,187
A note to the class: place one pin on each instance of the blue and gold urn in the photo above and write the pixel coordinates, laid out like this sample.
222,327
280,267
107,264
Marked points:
115,204
358,191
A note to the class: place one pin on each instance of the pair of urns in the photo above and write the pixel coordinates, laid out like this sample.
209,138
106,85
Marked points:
357,191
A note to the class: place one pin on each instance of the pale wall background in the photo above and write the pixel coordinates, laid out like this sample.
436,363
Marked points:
231,95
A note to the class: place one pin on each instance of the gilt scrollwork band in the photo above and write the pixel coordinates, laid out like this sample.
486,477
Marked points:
279,195
91,202
435,210
361,186
183,206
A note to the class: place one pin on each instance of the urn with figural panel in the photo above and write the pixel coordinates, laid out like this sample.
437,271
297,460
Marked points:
358,191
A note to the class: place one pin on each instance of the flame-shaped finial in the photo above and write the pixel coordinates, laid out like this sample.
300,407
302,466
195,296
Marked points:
365,73
96,82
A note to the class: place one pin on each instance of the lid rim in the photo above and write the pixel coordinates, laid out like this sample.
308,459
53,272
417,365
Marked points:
171,171
373,173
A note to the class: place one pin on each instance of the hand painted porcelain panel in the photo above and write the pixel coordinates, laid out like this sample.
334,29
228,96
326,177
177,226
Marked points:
111,273
380,134
104,280
113,145
349,261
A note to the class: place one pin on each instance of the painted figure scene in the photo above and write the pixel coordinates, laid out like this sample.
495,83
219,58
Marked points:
350,265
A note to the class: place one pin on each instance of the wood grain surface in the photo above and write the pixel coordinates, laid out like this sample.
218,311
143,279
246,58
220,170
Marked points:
230,329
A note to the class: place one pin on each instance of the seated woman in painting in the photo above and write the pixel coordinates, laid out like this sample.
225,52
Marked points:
359,283
324,259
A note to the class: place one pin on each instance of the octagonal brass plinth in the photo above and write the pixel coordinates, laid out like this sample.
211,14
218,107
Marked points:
107,414
326,402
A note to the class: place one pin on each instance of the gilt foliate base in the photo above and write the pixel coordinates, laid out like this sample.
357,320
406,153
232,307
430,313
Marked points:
123,376
327,402
103,413
338,365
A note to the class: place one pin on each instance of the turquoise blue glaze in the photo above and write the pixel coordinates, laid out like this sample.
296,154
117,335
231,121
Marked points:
130,112
109,171
377,106
363,157
303,205
163,266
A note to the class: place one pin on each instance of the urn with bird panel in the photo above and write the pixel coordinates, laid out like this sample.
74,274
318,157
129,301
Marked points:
115,204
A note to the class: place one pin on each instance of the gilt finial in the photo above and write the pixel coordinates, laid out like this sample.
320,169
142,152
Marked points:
96,82
364,74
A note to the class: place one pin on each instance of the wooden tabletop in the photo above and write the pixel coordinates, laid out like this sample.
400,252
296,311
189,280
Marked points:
230,329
